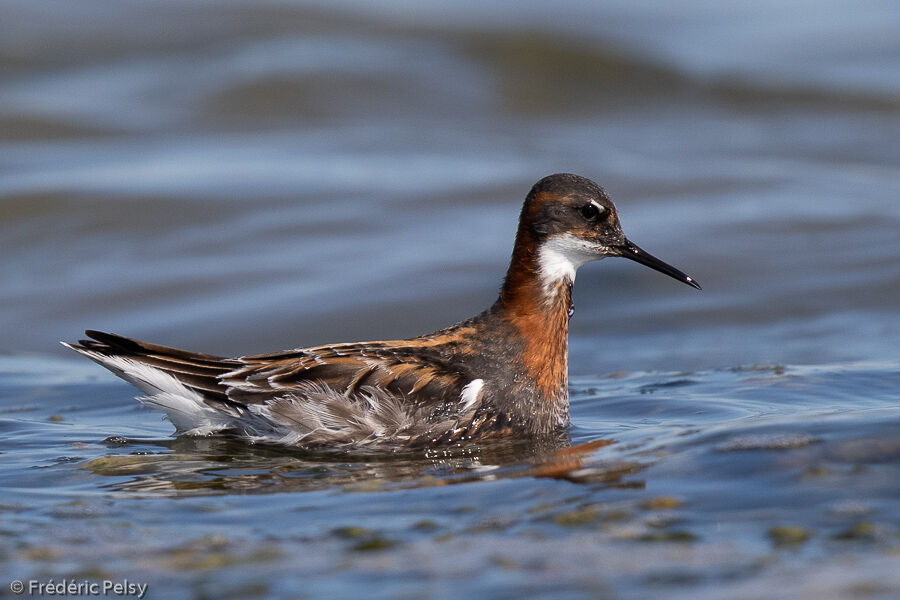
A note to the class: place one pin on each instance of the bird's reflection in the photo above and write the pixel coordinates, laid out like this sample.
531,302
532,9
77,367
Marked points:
219,465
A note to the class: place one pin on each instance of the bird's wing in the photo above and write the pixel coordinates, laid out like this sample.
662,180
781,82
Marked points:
347,393
411,369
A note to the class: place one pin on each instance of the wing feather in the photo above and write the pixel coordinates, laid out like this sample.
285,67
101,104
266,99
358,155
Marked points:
400,367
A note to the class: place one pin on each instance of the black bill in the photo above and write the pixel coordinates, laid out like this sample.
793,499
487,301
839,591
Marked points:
629,250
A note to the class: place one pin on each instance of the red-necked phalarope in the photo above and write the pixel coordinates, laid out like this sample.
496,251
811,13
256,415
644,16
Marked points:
503,372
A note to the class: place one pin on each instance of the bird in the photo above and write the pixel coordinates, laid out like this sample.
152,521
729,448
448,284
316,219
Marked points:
501,374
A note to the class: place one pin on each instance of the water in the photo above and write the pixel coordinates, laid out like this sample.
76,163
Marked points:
237,177
749,482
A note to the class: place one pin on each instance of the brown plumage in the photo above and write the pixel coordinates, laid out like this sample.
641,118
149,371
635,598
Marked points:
501,372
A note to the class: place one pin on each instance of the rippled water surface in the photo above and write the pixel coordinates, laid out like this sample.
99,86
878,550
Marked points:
237,177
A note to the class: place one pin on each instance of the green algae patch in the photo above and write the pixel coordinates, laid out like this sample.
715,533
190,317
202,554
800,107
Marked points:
426,525
817,471
41,554
216,552
789,535
662,503
373,544
352,532
678,536
365,540
578,517
862,531
132,464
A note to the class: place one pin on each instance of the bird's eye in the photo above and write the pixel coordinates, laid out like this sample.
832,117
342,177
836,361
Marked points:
590,211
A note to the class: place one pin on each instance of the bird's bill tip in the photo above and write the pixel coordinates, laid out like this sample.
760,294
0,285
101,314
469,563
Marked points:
634,252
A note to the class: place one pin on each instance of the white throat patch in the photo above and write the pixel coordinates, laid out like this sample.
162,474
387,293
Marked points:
561,255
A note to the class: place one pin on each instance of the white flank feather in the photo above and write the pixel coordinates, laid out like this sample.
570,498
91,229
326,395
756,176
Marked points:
471,394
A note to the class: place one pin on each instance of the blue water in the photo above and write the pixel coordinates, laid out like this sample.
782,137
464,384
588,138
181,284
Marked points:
236,177
739,481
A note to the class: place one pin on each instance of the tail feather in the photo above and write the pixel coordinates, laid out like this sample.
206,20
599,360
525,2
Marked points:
123,344
196,371
185,385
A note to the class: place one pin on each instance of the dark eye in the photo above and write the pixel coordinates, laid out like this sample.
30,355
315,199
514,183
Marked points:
590,211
